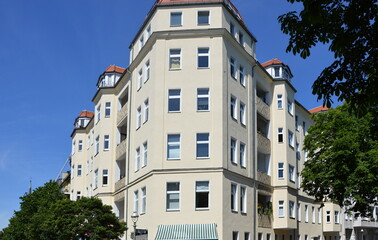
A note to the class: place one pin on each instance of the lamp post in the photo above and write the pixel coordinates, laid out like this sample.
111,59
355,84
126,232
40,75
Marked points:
134,218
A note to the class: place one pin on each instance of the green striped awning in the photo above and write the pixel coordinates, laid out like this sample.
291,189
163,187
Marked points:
187,232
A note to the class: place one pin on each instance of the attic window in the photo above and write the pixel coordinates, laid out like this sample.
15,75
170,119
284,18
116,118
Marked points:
276,71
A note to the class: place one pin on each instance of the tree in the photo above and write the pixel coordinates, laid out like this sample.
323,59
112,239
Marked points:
47,214
350,27
342,164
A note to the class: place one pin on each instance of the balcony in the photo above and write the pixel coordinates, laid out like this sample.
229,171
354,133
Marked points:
263,108
119,184
264,178
364,223
263,144
264,221
122,113
121,149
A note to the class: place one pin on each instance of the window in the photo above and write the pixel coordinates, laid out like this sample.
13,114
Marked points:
306,237
242,114
202,195
291,209
138,117
235,235
95,179
279,101
297,152
145,154
203,143
145,110
136,201
148,71
203,18
328,216
242,75
233,105
176,19
299,212
80,147
290,107
79,170
137,159
143,200
337,217
174,99
280,135
232,29
88,141
98,113
296,123
268,236
203,99
241,38
173,146
148,32
141,42
242,154
234,197
140,79
306,213
313,214
243,200
291,174
97,150
304,128
233,151
259,236
291,139
276,71
73,147
203,57
174,58
281,209
319,215
78,195
106,142
233,68
108,109
280,170
105,175
247,236
173,196
87,167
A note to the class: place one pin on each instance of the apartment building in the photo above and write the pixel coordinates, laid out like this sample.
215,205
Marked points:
197,137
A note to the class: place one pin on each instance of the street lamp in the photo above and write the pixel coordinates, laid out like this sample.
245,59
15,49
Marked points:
134,218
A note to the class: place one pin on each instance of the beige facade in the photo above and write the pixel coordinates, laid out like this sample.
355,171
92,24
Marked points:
196,131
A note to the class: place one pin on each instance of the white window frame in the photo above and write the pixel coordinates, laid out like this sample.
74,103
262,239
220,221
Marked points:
232,29
281,169
138,119
181,19
78,195
137,159
95,180
234,196
233,69
147,71
108,108
79,170
242,111
291,173
242,154
299,212
105,175
233,151
199,191
319,215
242,75
290,137
279,101
234,107
169,192
145,154
174,56
98,113
281,208
140,79
80,146
202,55
243,199
143,199
171,144
292,209
306,213
241,38
106,142
280,135
146,106
141,42
337,217
148,32
172,97
203,142
203,96
136,201
208,17
328,217
290,107
97,147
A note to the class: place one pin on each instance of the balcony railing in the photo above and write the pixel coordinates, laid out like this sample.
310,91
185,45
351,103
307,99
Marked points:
264,221
263,144
264,178
122,113
119,184
121,149
263,108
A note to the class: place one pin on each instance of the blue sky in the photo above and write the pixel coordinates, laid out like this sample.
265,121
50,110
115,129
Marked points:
51,54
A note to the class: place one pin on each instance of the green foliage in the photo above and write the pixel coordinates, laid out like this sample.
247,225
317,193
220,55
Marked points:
46,214
342,161
350,28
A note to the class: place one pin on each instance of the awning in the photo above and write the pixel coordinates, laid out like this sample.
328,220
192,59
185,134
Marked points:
187,232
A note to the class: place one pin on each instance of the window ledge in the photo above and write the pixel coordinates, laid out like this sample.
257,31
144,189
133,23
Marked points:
175,69
203,158
172,210
199,68
202,209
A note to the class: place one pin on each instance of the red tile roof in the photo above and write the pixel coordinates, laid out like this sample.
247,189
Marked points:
114,68
86,114
318,109
271,62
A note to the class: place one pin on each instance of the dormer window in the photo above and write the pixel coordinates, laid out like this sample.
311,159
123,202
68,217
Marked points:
276,71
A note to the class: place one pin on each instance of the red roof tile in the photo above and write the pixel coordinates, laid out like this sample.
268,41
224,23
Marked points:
318,109
271,62
114,68
86,114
